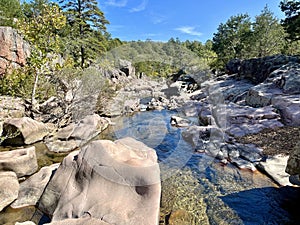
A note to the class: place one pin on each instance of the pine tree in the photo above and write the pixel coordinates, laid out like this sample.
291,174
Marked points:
9,10
85,34
291,8
268,35
232,39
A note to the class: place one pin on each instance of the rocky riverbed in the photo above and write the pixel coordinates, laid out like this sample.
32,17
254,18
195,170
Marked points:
218,133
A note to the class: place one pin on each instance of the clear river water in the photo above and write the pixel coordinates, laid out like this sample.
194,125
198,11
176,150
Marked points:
196,188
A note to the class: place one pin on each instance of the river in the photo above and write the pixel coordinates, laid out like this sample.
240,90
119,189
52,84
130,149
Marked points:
196,188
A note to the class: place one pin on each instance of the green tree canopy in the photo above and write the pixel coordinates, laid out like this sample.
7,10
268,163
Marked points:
268,35
9,10
40,27
84,36
291,8
232,38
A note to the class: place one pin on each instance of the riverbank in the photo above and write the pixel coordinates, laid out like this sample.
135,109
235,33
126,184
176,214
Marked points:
209,126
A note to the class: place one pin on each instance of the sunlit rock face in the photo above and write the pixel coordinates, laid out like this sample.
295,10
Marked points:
14,50
116,182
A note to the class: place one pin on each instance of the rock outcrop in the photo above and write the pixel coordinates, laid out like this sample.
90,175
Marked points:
116,182
77,134
11,107
275,167
14,50
258,70
282,90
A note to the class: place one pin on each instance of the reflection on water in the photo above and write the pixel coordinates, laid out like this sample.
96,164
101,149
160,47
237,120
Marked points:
196,189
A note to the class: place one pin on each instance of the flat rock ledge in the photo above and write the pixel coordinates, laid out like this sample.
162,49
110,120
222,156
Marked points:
76,135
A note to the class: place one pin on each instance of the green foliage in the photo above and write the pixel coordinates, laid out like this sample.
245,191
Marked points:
268,35
9,10
291,8
292,48
157,58
232,39
18,83
203,51
84,36
243,39
155,69
40,27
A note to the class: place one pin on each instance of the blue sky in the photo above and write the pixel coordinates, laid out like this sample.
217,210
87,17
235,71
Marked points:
160,20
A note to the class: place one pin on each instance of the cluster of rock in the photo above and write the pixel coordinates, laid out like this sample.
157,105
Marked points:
254,95
258,94
124,175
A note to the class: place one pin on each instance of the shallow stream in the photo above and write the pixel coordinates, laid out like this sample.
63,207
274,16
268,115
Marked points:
196,189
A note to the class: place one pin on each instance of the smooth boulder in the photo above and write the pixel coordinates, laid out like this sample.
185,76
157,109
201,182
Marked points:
77,134
21,161
20,131
9,188
118,182
86,220
275,167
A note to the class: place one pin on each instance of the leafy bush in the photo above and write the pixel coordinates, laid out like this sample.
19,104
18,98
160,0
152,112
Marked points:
17,83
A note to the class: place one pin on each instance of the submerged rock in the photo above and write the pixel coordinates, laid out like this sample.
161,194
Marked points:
22,161
9,188
118,182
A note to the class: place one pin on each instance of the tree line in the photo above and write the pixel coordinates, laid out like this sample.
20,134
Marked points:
241,38
75,31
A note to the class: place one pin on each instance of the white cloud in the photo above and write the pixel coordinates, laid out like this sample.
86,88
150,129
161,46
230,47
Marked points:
189,30
158,19
117,3
140,7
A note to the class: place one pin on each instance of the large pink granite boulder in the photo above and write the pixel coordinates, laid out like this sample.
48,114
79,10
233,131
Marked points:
117,182
13,51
